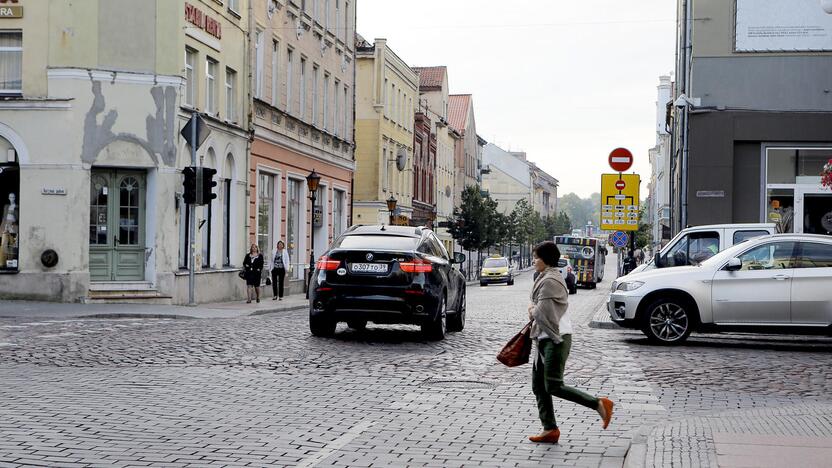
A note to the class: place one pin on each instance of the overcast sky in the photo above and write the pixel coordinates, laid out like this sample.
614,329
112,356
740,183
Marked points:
565,81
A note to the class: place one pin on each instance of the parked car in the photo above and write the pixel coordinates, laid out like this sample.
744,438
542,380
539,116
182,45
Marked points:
774,283
565,268
695,244
496,270
387,274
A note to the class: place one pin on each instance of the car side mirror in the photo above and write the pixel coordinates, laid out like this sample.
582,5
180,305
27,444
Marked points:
458,258
734,264
660,261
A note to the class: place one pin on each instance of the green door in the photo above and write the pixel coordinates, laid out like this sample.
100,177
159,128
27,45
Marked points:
117,245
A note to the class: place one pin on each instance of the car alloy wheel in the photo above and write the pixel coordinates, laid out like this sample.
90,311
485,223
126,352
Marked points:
668,322
436,329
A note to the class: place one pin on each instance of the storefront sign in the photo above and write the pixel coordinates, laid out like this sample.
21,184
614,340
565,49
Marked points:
11,12
710,194
199,19
53,191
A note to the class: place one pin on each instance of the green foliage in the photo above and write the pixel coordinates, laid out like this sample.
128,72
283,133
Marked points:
581,210
644,235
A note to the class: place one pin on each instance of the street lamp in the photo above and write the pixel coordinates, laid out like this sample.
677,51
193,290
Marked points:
312,181
391,207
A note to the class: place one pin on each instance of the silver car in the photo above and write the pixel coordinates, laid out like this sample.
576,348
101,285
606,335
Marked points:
775,283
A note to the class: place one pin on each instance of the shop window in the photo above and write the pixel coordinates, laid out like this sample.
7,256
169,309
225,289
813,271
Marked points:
796,165
780,208
9,228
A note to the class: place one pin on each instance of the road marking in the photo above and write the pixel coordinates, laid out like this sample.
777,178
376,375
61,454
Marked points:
336,444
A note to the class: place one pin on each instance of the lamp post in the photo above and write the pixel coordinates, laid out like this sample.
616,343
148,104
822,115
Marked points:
312,181
391,207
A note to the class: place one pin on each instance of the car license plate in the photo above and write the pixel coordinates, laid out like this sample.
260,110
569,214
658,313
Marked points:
368,267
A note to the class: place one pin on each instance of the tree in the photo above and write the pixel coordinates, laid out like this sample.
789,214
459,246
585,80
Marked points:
581,210
644,235
475,224
562,224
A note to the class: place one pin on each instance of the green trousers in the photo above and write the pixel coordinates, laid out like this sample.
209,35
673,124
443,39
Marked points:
547,380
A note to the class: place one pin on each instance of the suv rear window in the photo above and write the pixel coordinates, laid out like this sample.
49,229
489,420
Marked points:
380,242
742,236
495,263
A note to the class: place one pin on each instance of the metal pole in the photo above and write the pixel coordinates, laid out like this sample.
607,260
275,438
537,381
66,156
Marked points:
311,244
192,222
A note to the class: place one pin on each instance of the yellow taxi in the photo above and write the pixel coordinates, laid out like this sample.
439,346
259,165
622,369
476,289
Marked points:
496,270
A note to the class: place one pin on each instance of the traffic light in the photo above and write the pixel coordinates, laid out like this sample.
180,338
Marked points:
190,185
208,184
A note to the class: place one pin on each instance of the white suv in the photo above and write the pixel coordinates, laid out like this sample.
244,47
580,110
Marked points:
775,283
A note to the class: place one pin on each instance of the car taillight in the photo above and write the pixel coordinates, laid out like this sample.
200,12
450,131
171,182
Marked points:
326,264
416,266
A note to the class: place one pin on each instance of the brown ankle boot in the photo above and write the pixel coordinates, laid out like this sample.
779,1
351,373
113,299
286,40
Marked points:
547,437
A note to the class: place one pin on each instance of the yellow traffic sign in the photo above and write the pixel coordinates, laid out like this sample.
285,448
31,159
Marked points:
620,202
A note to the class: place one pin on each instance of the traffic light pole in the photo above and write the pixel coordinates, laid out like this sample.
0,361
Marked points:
192,227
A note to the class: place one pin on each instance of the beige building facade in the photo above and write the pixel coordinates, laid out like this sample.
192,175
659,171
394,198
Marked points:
96,93
303,74
386,92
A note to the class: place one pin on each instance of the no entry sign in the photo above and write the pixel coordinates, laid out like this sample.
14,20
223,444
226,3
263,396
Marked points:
620,185
621,159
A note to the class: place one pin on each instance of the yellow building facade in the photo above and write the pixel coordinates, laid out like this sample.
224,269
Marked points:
387,90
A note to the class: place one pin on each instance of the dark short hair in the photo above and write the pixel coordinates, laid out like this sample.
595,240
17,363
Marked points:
548,252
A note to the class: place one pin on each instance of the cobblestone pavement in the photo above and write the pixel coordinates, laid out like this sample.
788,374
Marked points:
260,391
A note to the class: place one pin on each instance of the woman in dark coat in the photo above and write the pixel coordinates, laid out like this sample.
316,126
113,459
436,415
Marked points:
253,264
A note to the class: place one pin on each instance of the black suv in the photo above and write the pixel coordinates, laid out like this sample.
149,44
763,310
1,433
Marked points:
387,274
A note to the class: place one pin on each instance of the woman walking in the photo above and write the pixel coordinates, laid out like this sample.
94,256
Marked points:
280,261
253,264
552,329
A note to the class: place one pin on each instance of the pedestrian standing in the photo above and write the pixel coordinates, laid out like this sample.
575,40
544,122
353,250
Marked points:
253,264
552,330
280,262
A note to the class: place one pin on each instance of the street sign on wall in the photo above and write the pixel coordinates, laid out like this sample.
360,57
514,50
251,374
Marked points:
619,206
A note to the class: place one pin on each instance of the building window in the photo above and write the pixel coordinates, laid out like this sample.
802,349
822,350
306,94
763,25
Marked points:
207,212
326,13
226,222
335,120
190,81
234,5
326,101
385,100
315,10
275,71
258,65
293,222
289,59
393,103
11,62
346,21
265,208
230,95
211,86
346,105
338,219
337,17
302,90
315,95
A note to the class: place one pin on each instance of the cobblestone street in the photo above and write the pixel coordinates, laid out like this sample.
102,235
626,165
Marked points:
261,391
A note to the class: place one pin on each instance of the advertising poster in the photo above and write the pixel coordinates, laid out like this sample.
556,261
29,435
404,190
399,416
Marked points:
783,26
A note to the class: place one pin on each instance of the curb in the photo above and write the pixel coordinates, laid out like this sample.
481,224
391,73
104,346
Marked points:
606,325
278,310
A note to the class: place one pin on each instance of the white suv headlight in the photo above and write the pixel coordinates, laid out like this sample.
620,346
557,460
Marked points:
629,285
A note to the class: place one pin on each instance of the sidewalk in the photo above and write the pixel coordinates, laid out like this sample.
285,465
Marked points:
601,319
767,437
54,310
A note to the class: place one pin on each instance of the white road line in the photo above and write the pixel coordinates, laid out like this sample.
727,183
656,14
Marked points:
336,444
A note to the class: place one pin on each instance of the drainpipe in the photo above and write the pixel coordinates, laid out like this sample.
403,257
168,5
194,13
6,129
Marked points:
686,123
247,54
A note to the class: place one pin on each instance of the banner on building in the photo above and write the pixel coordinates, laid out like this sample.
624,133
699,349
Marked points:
783,26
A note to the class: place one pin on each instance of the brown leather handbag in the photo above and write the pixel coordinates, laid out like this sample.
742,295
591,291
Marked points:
516,352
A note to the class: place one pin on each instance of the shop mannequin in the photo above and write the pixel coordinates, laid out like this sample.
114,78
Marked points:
8,231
